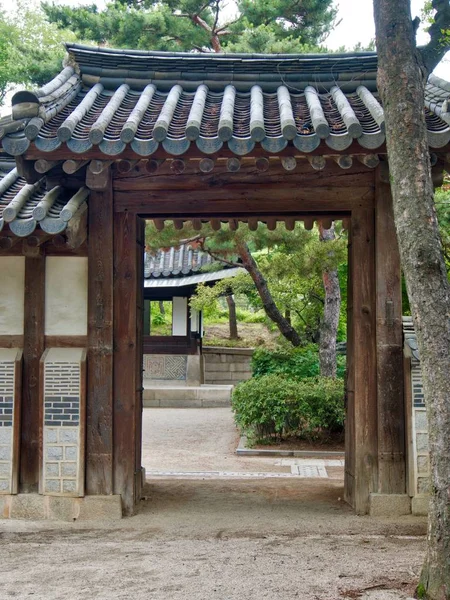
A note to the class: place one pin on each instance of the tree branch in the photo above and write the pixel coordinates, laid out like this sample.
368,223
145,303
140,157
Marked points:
439,43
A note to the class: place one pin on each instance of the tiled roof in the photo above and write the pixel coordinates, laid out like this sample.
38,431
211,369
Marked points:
24,206
116,99
191,280
176,261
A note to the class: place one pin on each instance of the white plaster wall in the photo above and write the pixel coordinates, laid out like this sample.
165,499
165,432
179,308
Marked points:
179,316
66,286
12,294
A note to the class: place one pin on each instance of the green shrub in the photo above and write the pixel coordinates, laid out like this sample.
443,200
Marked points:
158,319
296,363
273,405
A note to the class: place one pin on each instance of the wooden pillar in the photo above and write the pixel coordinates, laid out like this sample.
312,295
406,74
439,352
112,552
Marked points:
33,348
349,477
364,379
140,248
126,383
99,413
391,408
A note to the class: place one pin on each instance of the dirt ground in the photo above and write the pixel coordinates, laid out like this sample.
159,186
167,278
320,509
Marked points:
197,539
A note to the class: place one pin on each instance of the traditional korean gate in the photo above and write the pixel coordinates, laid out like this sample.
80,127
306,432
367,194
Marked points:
202,138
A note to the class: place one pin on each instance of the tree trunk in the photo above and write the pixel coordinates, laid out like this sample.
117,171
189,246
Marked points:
269,305
330,318
401,85
162,310
232,317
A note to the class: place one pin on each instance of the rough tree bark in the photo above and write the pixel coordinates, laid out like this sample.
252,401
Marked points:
330,319
232,317
402,70
248,262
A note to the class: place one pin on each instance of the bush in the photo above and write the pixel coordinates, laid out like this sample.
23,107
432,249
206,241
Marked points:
295,363
273,405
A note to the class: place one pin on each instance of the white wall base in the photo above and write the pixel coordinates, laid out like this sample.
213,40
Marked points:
36,507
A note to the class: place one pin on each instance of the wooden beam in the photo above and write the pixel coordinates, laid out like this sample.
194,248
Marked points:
99,402
243,199
26,169
126,283
289,163
33,348
276,178
64,153
43,165
344,161
233,164
206,165
98,174
391,409
66,341
364,359
11,341
72,166
76,230
177,166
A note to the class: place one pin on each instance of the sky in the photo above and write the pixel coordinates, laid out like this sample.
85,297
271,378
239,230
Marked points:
355,16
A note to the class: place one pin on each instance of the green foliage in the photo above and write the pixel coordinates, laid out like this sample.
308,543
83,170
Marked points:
274,405
186,25
295,363
31,48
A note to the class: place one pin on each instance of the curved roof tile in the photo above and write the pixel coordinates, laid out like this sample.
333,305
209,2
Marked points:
114,98
175,261
24,207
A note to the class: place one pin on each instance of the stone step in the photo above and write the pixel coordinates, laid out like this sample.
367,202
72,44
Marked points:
202,396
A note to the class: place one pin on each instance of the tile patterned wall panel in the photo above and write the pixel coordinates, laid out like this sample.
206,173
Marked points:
63,422
10,376
420,431
159,367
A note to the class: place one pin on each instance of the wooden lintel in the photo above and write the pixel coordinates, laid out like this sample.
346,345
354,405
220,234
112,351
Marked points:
66,341
11,341
245,199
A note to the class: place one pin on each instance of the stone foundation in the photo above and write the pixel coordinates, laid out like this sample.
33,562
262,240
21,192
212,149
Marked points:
37,507
227,366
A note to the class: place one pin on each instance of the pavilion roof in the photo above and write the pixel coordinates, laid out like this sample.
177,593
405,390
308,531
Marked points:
176,261
24,207
119,99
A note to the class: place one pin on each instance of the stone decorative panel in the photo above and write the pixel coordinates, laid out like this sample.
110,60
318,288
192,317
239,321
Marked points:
420,431
10,377
165,367
63,421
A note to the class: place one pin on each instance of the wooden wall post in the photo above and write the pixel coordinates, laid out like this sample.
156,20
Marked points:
33,348
364,358
99,413
349,477
391,408
126,349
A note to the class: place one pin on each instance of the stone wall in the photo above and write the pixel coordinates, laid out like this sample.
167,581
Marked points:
417,426
10,361
63,439
227,366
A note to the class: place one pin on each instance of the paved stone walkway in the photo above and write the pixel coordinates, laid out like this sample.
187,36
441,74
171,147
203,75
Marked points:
201,443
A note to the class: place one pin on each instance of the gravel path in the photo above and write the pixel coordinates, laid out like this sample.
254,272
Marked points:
215,539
